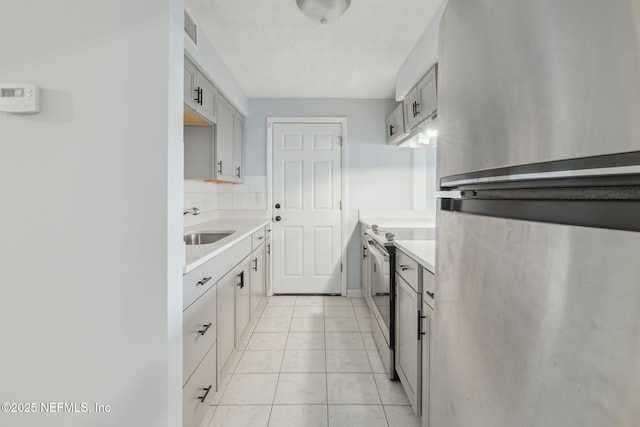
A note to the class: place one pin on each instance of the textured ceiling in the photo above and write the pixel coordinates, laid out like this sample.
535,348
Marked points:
275,51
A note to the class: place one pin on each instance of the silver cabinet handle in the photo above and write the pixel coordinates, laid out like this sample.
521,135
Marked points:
220,167
255,265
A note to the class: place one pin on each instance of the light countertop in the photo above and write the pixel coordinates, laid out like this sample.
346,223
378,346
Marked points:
196,255
397,219
423,251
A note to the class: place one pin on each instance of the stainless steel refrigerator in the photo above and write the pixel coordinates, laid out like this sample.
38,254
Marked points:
537,317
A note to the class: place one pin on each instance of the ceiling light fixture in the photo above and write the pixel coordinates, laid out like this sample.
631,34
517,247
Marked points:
323,11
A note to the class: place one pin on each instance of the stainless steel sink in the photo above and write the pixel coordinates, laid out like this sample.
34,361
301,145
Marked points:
205,238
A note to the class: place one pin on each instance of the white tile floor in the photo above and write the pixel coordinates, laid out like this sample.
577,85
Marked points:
310,362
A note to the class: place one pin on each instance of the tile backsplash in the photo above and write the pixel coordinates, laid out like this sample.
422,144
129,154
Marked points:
207,196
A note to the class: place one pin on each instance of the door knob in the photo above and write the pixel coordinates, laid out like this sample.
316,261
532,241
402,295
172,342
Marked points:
277,205
278,218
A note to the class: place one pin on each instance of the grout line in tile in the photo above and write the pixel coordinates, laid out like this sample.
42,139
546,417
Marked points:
215,409
377,389
385,413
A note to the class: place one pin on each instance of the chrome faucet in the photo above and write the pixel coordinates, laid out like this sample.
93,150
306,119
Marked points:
192,211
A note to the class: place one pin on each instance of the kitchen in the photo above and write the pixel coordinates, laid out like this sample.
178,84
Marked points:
93,250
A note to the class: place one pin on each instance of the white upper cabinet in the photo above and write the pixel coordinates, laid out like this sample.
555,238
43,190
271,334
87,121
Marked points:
208,99
395,125
238,125
190,94
225,159
421,102
213,132
199,93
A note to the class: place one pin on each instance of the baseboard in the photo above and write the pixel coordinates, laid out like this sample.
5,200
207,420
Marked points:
354,292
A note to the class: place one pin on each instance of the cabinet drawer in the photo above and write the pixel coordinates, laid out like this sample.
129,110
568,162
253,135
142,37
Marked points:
195,397
199,331
428,286
214,269
257,238
408,269
197,282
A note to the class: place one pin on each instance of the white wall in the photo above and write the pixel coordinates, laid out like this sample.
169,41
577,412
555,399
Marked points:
422,57
91,222
423,193
216,70
379,176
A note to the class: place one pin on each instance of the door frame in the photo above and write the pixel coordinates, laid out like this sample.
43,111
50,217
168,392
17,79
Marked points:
344,238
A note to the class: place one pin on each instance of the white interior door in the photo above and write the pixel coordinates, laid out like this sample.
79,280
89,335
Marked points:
306,208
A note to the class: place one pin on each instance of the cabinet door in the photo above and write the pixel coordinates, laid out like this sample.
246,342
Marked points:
238,132
267,267
408,342
395,125
390,125
427,328
190,95
365,274
427,100
243,299
257,279
226,319
224,141
209,95
411,109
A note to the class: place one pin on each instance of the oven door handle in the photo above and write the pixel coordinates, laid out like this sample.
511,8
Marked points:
382,257
379,252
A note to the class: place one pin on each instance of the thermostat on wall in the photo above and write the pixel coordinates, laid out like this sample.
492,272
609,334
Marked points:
19,98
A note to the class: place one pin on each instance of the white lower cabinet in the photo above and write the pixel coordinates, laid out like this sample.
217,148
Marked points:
257,280
243,299
226,319
427,328
198,331
199,390
267,265
408,342
220,299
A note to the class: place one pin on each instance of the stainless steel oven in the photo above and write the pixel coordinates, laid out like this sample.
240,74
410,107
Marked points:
379,296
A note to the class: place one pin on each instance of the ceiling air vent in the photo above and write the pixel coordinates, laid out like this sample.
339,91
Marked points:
191,28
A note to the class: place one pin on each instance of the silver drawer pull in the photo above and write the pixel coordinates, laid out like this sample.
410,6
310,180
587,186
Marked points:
206,393
203,281
205,328
403,267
